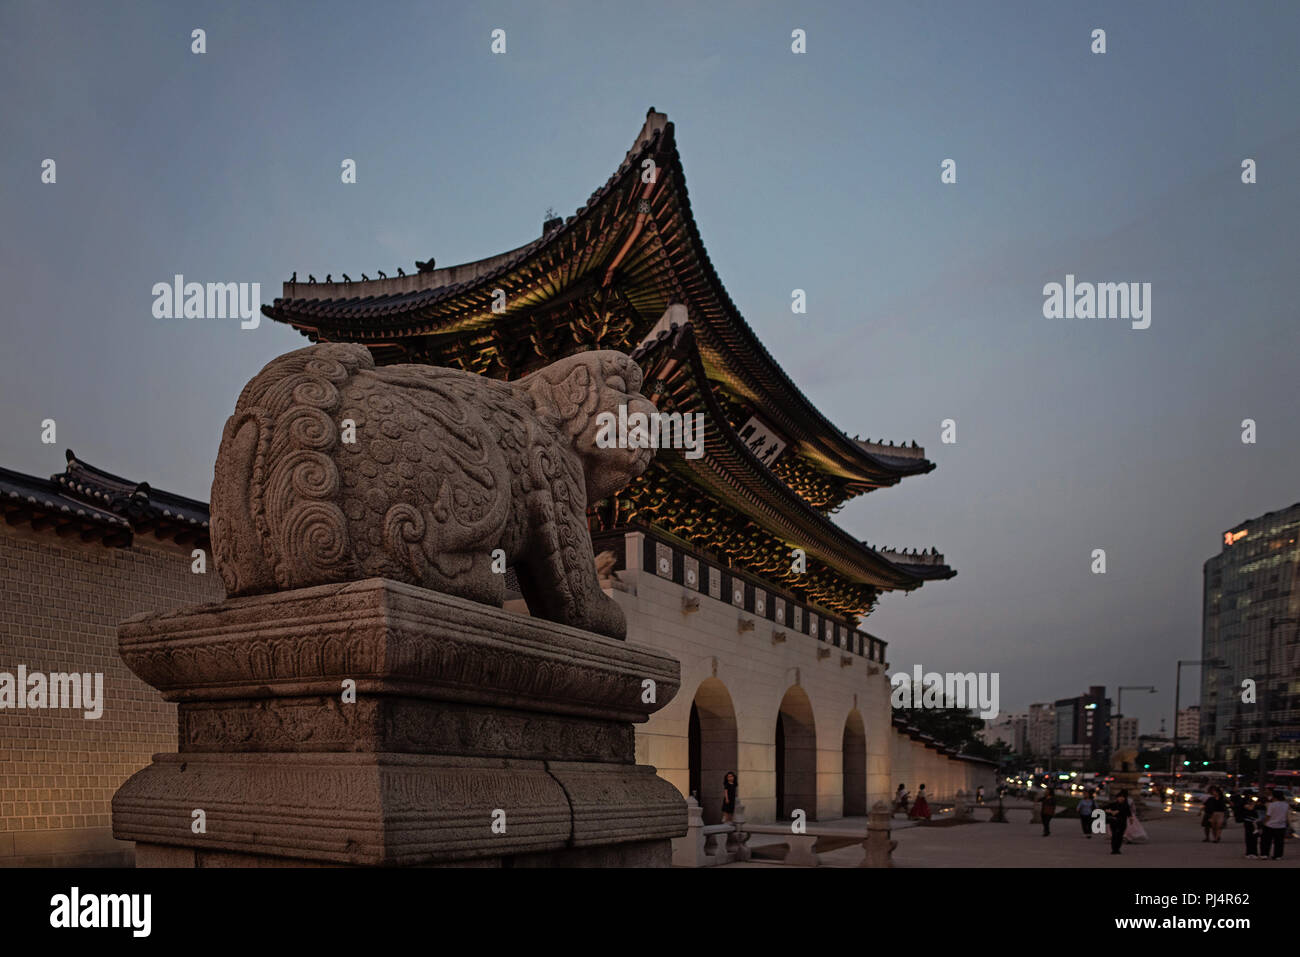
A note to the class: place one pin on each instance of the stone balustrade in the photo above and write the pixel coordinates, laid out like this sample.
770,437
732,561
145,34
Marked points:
708,845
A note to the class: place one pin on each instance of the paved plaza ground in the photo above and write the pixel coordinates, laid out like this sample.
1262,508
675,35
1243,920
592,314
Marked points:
1176,841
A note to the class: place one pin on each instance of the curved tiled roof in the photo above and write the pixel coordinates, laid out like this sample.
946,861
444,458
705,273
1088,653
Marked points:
730,470
101,506
642,238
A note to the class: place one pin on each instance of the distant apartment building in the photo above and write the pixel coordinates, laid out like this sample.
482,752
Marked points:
1154,742
1008,728
1084,722
1040,729
1125,732
1189,724
1249,586
1072,754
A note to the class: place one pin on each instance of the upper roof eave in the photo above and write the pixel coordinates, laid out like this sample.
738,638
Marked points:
321,314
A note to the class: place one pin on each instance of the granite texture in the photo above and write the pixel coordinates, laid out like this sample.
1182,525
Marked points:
375,723
332,470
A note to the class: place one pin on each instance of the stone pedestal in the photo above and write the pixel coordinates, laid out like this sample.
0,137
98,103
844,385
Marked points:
377,724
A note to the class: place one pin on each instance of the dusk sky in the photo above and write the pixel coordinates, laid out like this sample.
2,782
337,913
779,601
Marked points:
818,171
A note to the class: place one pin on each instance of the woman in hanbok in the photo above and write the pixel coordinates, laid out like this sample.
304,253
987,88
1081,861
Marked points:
921,808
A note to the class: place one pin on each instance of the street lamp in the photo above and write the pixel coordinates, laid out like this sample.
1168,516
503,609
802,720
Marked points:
1119,709
1122,688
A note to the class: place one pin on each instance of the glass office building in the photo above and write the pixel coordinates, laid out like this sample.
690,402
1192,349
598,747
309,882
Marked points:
1252,588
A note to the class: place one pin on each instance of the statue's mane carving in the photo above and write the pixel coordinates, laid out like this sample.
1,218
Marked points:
443,467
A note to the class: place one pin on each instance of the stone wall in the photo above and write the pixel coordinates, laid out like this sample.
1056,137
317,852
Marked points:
748,679
62,602
915,764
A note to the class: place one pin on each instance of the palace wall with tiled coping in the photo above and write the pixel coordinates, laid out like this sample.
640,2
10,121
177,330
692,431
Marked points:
63,601
60,607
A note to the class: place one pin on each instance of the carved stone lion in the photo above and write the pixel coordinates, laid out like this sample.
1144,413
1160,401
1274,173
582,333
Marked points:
1124,759
435,470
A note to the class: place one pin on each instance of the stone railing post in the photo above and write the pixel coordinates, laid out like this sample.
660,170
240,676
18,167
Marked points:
739,841
717,849
999,813
878,845
1037,815
961,809
688,851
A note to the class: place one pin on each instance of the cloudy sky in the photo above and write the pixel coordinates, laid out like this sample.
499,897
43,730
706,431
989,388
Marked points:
818,171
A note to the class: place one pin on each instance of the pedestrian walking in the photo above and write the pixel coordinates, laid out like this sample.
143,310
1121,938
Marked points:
1048,810
1249,818
1275,823
1238,804
921,809
900,799
979,794
1119,813
1086,807
1215,808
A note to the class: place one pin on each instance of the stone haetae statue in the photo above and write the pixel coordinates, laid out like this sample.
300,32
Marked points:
435,470
1124,760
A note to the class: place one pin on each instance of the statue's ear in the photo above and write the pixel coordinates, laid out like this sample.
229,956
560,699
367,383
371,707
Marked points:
566,392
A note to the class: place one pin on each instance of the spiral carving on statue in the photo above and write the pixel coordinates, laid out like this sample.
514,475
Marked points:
334,470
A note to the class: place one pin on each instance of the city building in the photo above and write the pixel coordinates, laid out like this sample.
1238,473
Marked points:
1040,729
1154,742
1125,732
1189,723
1085,722
1250,587
1072,755
1010,729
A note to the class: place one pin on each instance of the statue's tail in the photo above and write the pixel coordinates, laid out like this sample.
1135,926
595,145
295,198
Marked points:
276,486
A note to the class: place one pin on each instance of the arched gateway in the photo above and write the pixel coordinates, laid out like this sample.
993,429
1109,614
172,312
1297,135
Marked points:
854,748
712,746
796,756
